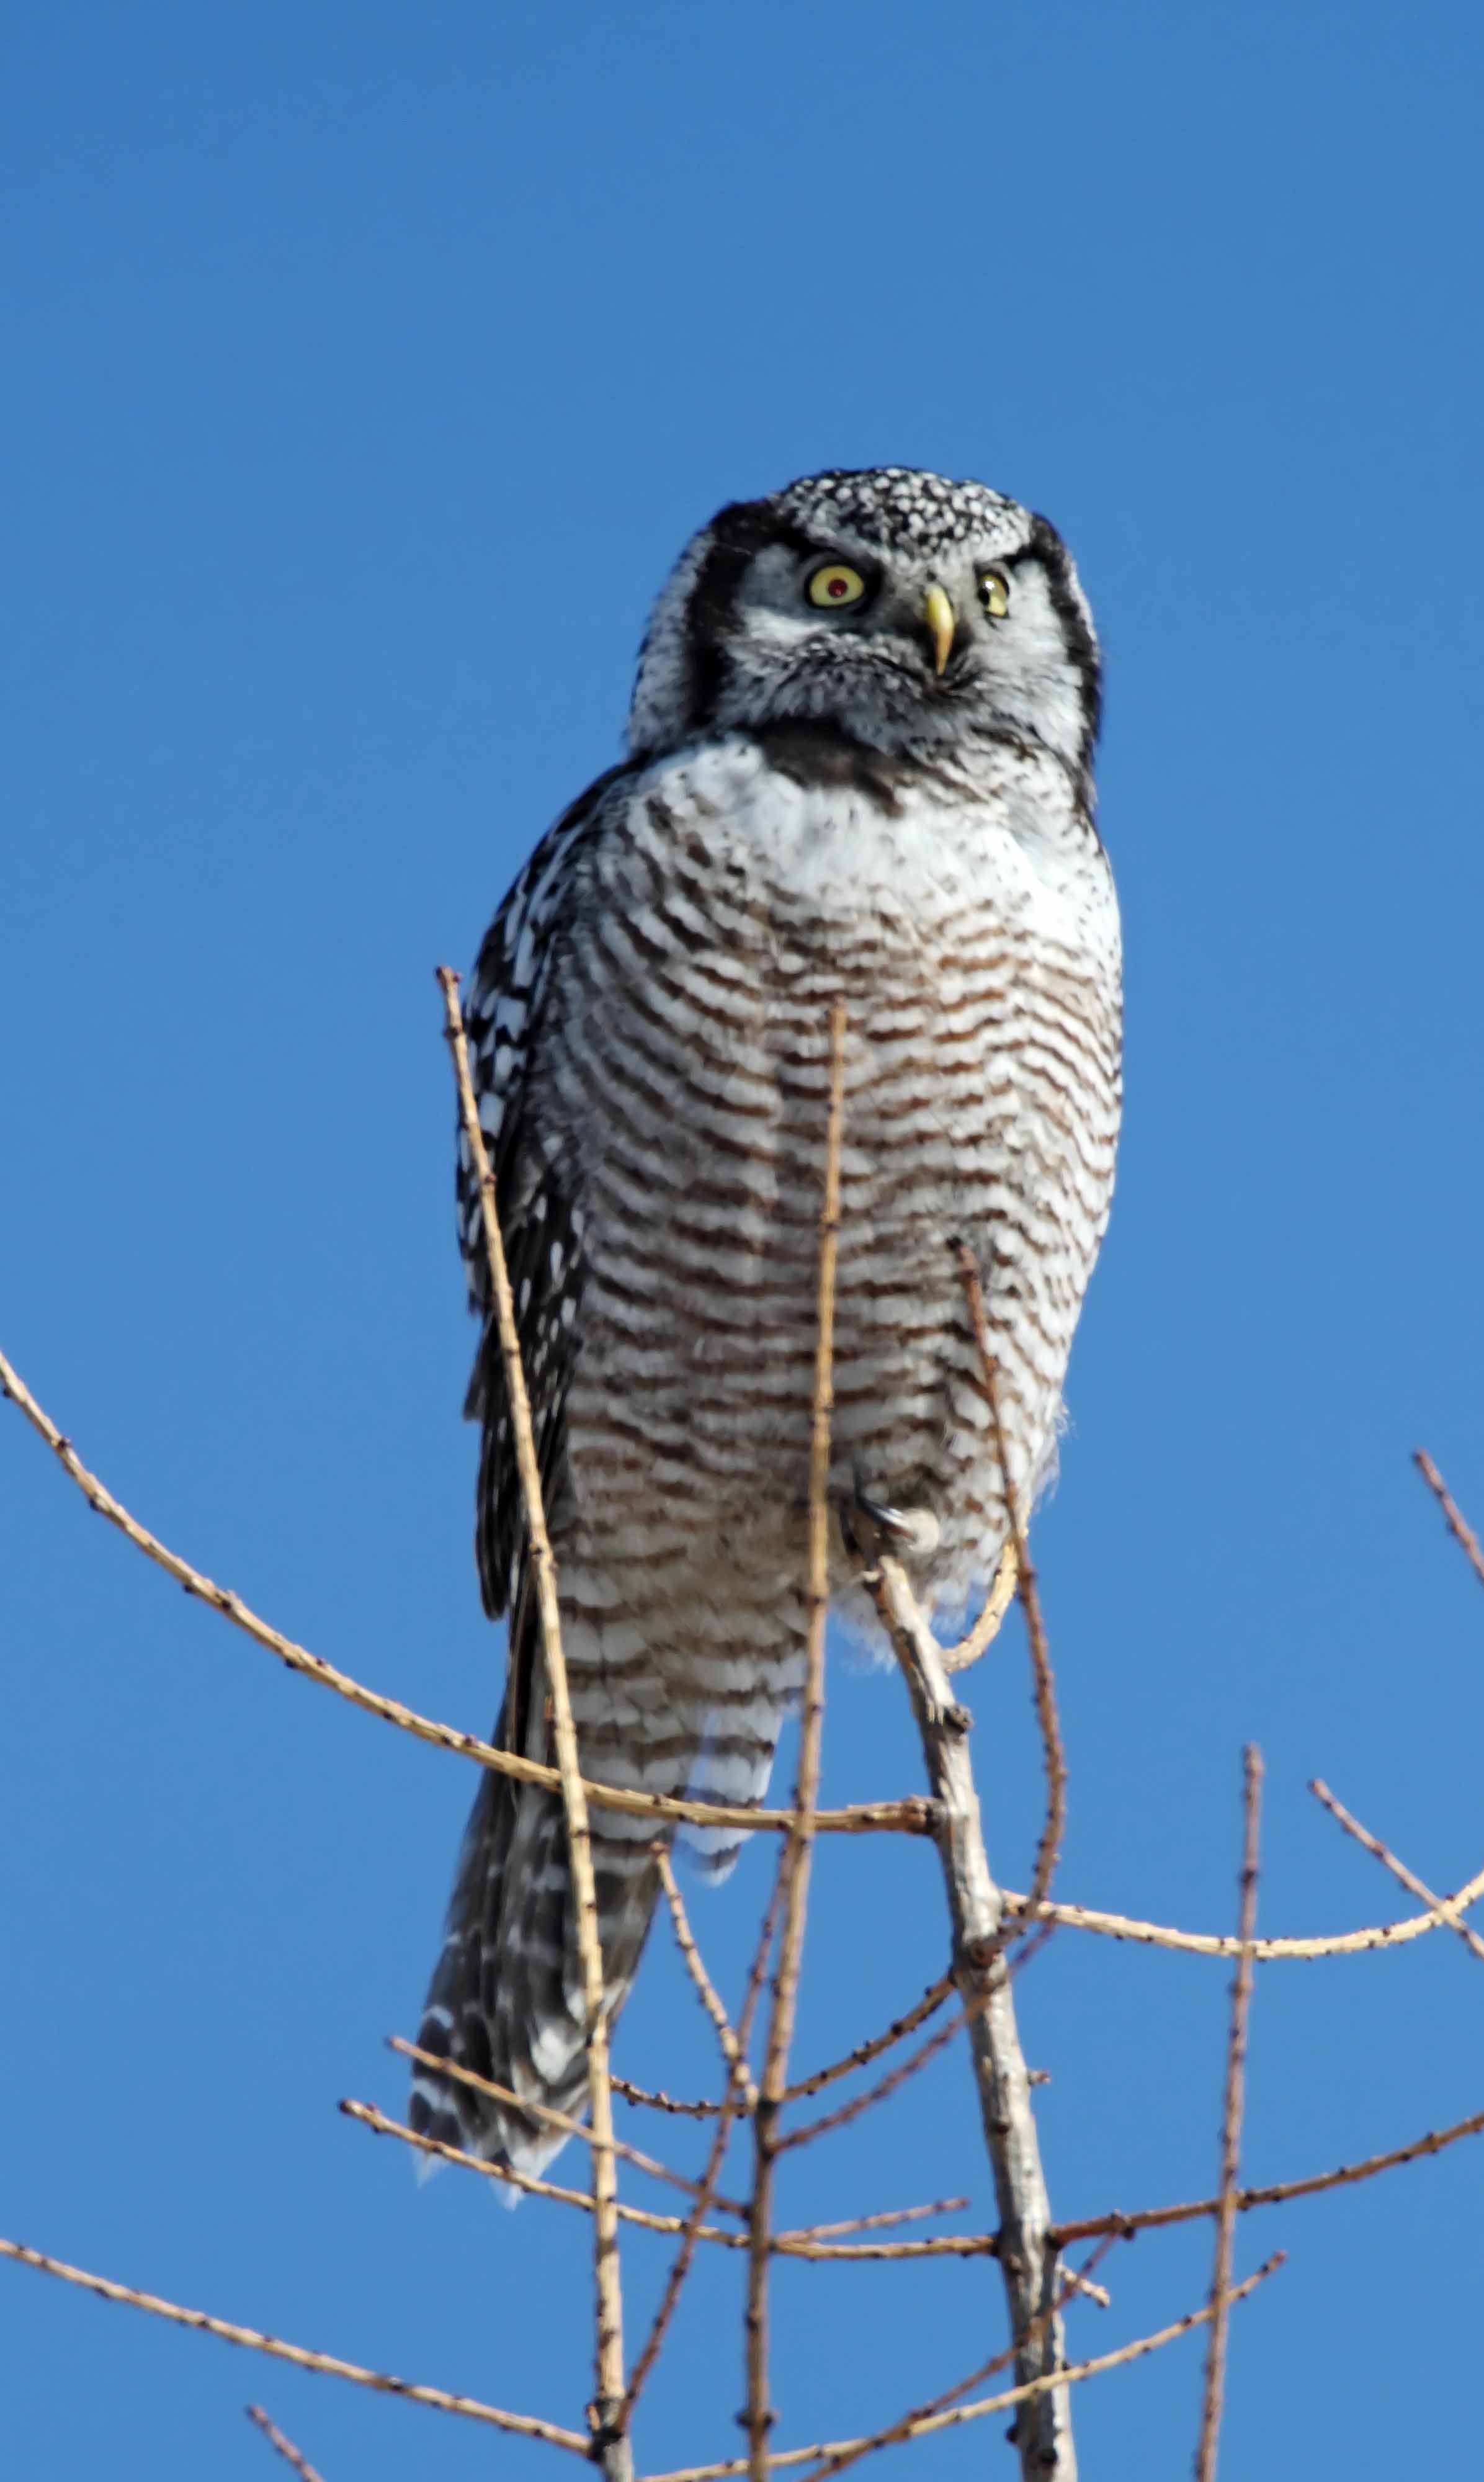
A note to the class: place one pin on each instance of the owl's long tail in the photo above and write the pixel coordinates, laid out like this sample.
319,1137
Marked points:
506,1997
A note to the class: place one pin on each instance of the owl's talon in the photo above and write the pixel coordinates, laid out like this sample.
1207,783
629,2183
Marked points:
870,1526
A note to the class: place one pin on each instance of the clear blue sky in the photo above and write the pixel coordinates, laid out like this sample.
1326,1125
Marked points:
369,365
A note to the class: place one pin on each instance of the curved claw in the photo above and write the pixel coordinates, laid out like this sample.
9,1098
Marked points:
872,1526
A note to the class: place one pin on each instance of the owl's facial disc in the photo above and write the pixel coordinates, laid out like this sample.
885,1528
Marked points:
913,614
804,610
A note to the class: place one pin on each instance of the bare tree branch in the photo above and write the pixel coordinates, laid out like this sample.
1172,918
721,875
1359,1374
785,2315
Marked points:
710,1999
1458,1526
739,2099
1075,2280
326,2363
608,2354
987,1628
290,2454
1207,2443
876,2223
901,1817
562,2120
653,2100
1445,1908
864,2054
1264,1951
1149,2219
852,2448
795,1861
878,2093
1053,1754
1027,2253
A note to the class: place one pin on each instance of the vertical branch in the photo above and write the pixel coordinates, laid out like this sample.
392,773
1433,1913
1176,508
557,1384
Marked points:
1232,2124
1026,1586
794,1866
1027,2251
609,2444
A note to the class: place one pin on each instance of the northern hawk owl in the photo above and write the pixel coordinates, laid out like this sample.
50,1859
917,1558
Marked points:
859,767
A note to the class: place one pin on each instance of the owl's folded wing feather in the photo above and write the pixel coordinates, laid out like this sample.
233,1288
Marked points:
539,1220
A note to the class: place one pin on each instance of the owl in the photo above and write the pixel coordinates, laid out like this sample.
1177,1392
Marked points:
859,770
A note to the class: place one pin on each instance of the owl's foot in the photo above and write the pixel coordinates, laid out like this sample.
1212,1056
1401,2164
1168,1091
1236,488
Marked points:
870,1527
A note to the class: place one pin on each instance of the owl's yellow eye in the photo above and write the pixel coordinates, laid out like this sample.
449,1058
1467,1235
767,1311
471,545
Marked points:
836,586
995,594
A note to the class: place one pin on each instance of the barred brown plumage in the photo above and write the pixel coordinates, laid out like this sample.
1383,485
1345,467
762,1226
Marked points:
819,804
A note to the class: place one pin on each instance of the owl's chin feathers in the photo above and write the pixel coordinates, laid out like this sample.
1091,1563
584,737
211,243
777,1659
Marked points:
879,700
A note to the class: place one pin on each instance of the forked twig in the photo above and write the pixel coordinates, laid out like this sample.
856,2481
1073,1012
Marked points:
537,1553
794,1863
1231,2123
291,2455
1448,1909
302,2358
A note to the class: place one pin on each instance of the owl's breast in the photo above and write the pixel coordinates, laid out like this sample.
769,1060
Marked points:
685,1078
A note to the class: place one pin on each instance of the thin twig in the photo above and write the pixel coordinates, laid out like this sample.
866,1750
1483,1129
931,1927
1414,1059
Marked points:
864,2054
1018,2396
876,2223
643,2219
873,2095
367,2116
710,1997
1029,2258
540,1559
1074,2280
739,2100
987,1628
795,1861
290,2454
1458,1526
1231,2123
326,2363
1264,1951
562,2120
659,2101
679,2265
1149,2219
1053,1753
1446,1907
911,1818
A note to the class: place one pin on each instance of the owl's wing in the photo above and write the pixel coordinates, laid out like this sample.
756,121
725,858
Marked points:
513,989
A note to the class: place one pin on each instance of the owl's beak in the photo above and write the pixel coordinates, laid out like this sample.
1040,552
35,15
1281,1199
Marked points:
941,622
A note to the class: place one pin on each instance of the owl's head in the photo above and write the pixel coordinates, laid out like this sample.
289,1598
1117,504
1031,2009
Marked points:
916,614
